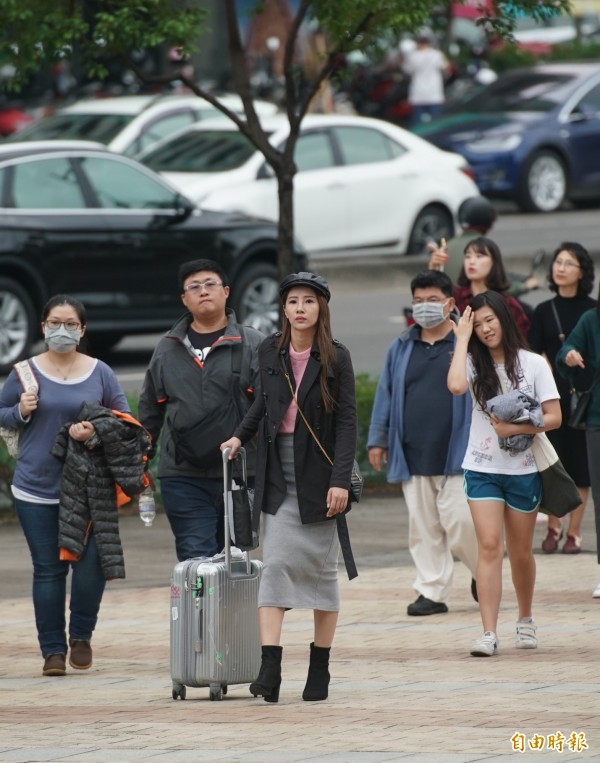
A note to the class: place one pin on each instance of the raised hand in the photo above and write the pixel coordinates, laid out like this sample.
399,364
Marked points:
464,327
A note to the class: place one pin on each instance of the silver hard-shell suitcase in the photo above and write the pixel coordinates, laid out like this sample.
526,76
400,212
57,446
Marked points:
215,639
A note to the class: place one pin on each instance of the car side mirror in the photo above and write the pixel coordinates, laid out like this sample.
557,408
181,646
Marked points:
582,112
183,208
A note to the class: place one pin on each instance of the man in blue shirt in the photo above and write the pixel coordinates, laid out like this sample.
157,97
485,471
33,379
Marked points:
420,431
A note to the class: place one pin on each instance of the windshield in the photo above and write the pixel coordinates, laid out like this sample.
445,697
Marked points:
201,151
98,127
523,91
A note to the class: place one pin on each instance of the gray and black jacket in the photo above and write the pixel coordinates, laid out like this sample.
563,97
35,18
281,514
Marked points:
113,455
179,389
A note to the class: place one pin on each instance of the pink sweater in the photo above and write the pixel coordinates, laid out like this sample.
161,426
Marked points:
299,361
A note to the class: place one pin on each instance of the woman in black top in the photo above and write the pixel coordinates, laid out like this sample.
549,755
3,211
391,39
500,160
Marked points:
571,277
307,394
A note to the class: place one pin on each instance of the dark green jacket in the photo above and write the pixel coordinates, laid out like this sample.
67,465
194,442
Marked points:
585,338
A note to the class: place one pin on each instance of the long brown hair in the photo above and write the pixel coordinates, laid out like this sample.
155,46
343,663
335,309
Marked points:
486,383
323,342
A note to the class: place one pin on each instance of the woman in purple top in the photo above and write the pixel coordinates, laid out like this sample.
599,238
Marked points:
66,378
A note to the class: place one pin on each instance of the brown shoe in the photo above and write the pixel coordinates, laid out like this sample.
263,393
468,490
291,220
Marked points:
54,665
572,544
80,656
550,542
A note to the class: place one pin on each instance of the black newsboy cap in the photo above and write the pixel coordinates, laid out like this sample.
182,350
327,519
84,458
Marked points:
318,283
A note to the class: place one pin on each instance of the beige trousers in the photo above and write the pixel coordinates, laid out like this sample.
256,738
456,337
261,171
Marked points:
439,527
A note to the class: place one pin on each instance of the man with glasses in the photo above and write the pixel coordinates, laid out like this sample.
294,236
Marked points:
198,386
420,432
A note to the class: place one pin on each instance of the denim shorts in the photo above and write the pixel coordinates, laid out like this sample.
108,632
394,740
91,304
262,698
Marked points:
521,492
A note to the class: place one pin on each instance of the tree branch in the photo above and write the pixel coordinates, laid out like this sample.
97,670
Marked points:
253,130
258,138
331,63
288,59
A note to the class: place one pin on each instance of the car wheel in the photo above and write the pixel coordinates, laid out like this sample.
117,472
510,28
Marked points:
432,224
255,297
18,324
544,183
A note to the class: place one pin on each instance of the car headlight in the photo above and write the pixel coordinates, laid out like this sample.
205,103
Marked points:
495,143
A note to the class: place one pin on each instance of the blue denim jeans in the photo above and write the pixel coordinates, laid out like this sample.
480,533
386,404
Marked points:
40,526
194,508
425,113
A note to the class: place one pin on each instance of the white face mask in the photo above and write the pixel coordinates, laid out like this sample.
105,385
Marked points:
428,315
62,339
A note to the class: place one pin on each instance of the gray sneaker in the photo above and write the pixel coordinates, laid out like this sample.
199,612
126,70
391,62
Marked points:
526,638
486,645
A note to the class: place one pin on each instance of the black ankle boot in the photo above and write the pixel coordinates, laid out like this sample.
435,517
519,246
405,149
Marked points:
268,680
317,683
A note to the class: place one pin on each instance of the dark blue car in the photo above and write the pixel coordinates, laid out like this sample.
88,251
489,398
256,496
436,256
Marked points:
532,136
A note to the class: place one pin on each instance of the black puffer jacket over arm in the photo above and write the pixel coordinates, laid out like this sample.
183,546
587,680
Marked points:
114,455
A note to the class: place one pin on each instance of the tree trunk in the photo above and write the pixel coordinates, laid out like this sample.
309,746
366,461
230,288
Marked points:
285,238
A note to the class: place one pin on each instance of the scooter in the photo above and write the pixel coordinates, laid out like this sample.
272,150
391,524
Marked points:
521,281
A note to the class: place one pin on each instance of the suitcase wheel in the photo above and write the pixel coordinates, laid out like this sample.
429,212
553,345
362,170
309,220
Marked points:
178,691
216,693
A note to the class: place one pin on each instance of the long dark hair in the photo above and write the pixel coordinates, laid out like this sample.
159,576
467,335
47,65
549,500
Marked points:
586,265
323,342
64,299
486,383
497,279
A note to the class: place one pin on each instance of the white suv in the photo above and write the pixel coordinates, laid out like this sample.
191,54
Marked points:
130,124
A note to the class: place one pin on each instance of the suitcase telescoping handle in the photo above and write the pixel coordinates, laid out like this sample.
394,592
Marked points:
227,485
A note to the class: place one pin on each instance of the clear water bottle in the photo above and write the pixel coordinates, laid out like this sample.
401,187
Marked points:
147,507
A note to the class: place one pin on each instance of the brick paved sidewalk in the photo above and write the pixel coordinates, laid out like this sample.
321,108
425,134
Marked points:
403,689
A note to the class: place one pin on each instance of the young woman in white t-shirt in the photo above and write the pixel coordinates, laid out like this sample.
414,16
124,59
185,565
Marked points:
503,490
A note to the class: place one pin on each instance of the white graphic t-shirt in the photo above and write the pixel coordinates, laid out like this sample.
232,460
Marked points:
483,452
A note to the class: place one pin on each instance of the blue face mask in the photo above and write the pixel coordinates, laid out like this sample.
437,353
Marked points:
62,339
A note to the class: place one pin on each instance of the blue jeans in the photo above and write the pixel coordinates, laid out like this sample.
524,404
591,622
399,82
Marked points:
194,508
425,112
40,526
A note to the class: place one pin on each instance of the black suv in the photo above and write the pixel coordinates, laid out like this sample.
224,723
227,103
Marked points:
76,219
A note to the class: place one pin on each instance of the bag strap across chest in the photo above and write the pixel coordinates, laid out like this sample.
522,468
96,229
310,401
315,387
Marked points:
26,376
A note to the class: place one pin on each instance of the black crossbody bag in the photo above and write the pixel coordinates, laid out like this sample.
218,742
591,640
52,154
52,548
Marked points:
579,401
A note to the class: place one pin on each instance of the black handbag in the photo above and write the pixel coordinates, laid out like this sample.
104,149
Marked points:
242,529
356,482
579,405
579,401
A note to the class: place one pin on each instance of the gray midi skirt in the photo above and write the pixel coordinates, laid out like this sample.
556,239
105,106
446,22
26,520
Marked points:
300,561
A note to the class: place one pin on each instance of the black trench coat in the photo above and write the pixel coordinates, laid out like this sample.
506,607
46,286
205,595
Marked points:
337,430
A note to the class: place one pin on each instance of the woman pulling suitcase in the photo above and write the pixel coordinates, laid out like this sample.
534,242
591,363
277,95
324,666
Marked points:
307,383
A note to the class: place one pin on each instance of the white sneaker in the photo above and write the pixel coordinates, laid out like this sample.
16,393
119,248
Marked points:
486,645
596,593
526,638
